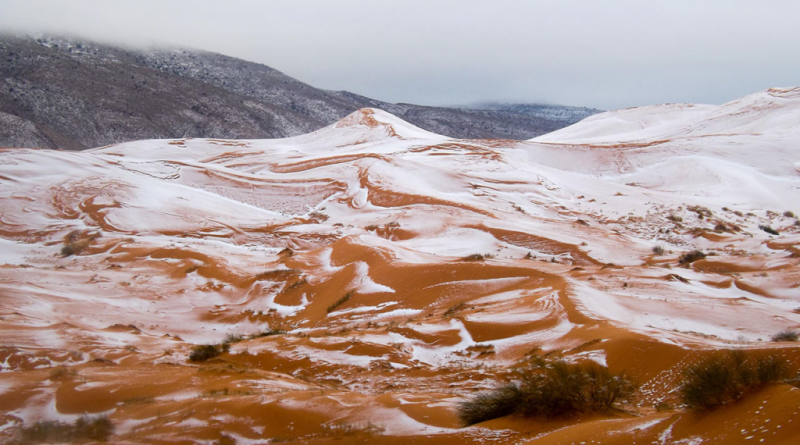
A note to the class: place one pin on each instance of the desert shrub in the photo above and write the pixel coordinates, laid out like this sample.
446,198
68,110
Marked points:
662,406
675,218
318,216
721,379
201,353
499,402
232,338
556,390
769,230
75,247
658,250
691,257
268,332
455,308
224,439
786,335
565,390
138,400
473,257
340,301
61,372
702,212
788,214
75,242
99,429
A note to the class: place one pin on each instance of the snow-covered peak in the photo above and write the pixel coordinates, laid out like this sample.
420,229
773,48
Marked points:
366,125
391,125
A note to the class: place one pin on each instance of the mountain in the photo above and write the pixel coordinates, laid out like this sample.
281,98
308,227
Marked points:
75,94
560,113
368,277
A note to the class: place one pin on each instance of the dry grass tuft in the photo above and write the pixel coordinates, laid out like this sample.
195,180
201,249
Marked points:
340,301
556,390
725,378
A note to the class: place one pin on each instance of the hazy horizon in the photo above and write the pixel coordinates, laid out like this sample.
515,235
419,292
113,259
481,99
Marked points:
446,53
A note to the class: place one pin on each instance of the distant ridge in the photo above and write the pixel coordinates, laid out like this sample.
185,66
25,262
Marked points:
70,93
772,111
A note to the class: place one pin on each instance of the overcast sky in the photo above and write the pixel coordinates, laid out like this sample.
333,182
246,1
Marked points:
605,54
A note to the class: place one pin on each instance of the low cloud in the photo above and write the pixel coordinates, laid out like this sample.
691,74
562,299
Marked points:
601,54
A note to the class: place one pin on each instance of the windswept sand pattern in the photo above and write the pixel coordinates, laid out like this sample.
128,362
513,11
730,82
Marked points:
369,276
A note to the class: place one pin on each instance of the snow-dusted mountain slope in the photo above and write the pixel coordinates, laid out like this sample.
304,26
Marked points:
391,269
75,94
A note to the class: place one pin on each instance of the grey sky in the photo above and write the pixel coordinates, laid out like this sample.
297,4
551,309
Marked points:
605,54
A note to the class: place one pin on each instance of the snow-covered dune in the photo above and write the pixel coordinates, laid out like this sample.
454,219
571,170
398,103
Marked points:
379,256
774,112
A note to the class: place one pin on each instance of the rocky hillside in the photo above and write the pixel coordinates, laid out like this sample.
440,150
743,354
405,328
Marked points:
71,94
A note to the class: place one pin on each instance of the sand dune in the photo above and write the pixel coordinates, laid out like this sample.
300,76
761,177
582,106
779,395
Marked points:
378,274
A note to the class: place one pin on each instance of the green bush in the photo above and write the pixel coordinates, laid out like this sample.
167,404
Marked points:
556,390
721,379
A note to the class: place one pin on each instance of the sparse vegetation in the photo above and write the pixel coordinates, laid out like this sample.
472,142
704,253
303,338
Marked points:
61,372
456,308
347,429
76,242
85,428
202,353
769,230
340,301
499,402
691,257
788,214
232,338
785,335
675,218
702,212
658,250
478,257
224,439
318,217
268,332
724,378
139,400
556,390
